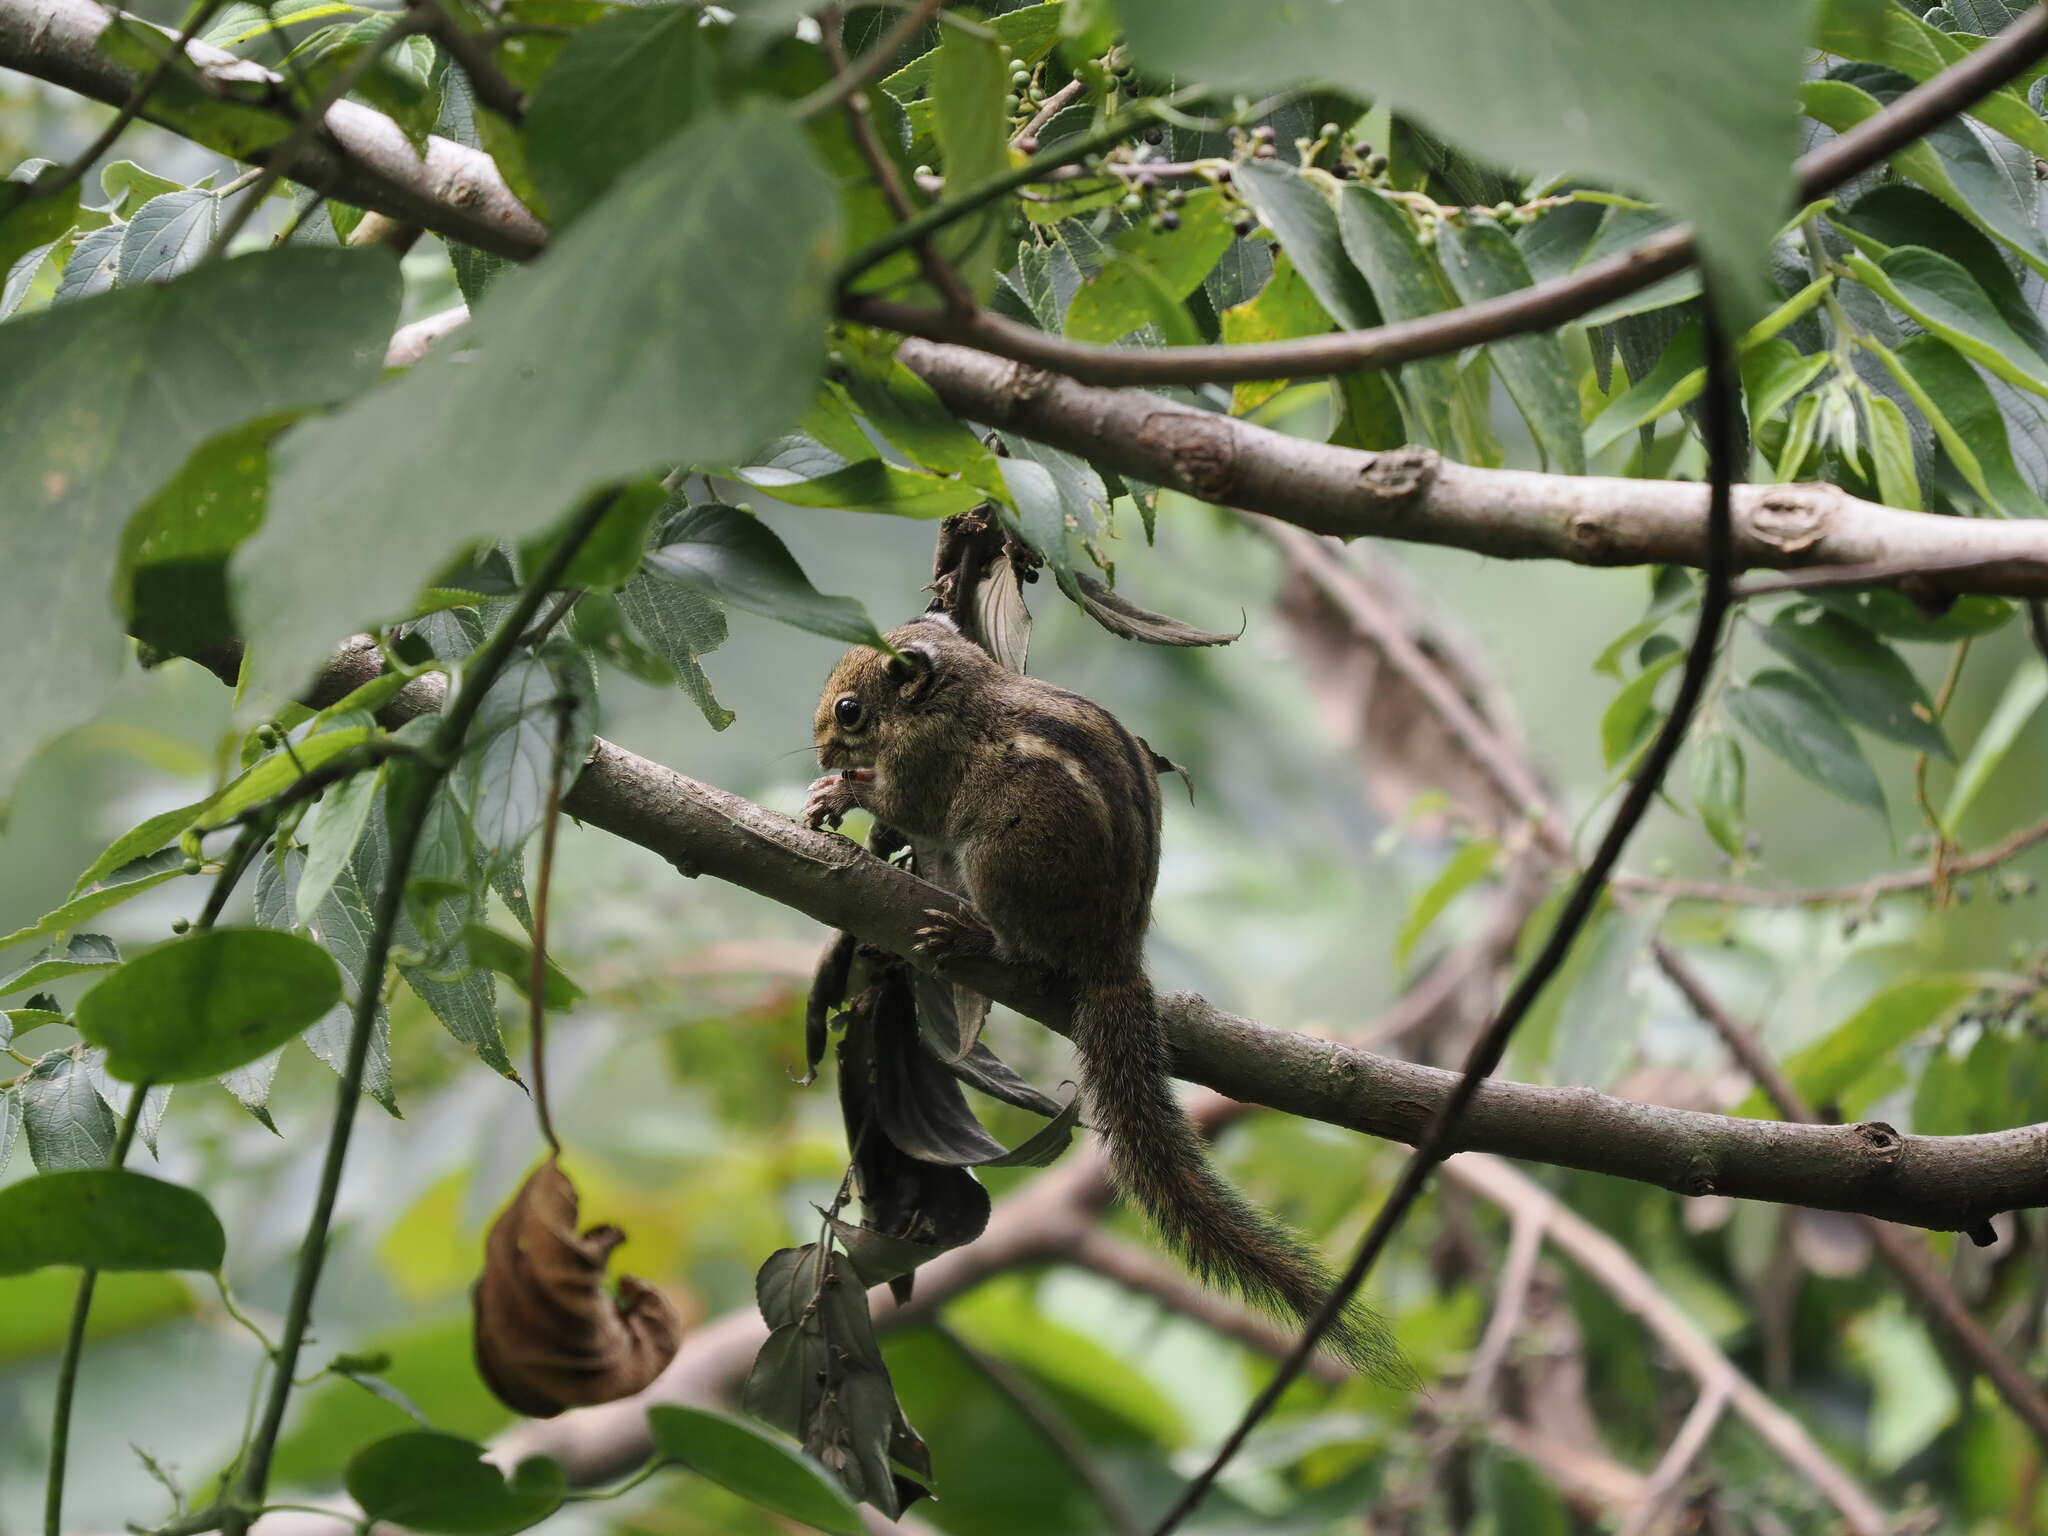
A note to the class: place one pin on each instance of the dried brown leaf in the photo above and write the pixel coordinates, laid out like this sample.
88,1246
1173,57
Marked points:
548,1334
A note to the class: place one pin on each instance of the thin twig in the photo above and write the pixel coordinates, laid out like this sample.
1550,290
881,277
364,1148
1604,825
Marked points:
537,978
1052,107
1678,1457
1535,308
845,81
1718,404
408,821
1511,1300
936,270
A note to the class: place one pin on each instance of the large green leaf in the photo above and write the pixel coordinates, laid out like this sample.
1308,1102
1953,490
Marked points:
1482,262
1514,81
1943,297
1149,272
110,890
69,1125
739,559
106,1218
753,1464
1966,417
207,1003
1305,224
972,129
1795,720
619,87
1380,239
679,321
104,398
1897,38
427,1481
82,952
1825,1069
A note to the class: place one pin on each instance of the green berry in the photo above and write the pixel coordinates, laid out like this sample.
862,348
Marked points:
181,925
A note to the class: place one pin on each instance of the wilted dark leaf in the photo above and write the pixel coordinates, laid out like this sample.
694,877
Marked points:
548,1336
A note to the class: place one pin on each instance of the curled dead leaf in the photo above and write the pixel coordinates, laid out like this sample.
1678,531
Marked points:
548,1334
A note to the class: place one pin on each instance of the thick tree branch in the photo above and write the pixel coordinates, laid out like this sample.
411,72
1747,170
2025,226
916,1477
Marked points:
1417,495
1945,1183
361,158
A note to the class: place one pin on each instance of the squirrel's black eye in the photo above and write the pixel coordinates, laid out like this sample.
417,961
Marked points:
848,711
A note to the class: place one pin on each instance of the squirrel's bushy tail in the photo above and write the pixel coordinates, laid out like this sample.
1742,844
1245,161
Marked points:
1157,1157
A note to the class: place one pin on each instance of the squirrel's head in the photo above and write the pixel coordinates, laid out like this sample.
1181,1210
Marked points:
876,706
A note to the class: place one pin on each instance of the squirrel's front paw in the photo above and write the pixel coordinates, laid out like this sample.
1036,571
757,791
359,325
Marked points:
831,797
951,936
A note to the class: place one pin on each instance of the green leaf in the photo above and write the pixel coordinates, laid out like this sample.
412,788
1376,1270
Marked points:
1791,717
1892,614
502,433
1894,215
1773,373
1914,1397
1038,511
106,1218
1282,310
609,555
903,407
1891,452
1150,272
342,924
1861,674
1966,419
168,235
82,953
1676,380
1029,32
737,557
869,486
131,879
1483,262
272,775
68,1123
2016,706
103,399
1628,718
1828,1067
1717,788
1943,297
427,1481
513,959
38,220
343,817
968,120
757,1466
1380,239
680,624
1901,40
1670,79
1305,224
207,1003
619,88
502,782
1471,862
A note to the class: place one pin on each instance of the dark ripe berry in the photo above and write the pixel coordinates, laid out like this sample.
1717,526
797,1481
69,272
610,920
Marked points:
1375,164
1223,176
1155,135
1173,197
1244,224
1361,149
1169,220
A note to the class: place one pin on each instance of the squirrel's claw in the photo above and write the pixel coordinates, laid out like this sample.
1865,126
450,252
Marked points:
951,936
828,800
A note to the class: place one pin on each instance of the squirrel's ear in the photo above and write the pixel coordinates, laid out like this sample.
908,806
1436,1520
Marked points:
912,669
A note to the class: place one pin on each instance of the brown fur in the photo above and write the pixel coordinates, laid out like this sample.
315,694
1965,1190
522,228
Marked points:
1043,811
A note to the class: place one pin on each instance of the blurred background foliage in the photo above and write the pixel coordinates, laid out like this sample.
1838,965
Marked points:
1283,893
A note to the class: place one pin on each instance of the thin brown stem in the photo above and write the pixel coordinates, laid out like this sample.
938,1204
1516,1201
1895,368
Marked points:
537,978
472,53
846,82
1051,108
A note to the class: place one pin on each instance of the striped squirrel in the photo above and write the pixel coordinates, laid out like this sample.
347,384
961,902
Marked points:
1043,811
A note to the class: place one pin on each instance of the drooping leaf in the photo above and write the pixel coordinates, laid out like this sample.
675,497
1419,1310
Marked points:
1959,405
103,400
968,120
1149,271
106,1218
1823,1070
110,890
1286,307
341,926
758,1467
499,435
1471,862
1670,78
207,1003
679,623
1632,712
509,757
1305,224
1795,720
36,221
1717,788
1943,297
424,1480
1380,239
2016,706
1860,673
344,816
548,1335
868,486
739,559
513,959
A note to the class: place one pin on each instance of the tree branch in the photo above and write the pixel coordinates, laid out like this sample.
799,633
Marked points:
362,158
1415,494
1941,1182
